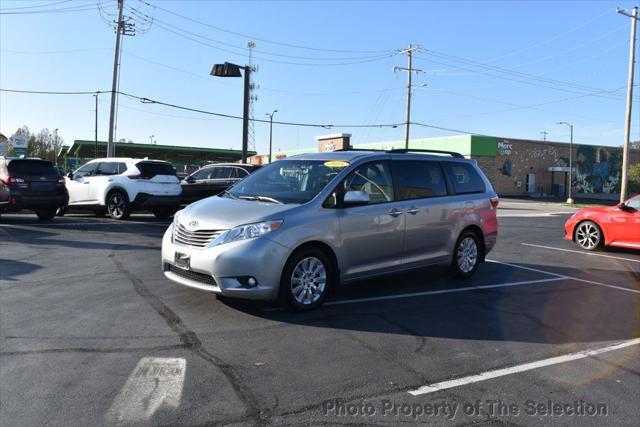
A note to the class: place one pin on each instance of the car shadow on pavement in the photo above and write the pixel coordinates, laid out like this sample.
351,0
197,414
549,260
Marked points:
11,270
555,312
34,237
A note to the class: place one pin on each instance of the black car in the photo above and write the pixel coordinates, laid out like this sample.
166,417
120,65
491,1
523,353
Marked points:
213,179
32,184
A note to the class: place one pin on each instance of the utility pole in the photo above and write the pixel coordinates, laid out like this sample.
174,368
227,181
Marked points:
96,126
114,84
544,135
271,132
410,70
627,129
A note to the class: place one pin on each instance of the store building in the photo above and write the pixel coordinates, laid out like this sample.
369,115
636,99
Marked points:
520,167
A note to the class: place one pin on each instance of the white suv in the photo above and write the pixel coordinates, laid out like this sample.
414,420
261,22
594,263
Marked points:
120,185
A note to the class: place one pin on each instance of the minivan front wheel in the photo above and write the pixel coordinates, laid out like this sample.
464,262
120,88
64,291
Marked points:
466,256
306,280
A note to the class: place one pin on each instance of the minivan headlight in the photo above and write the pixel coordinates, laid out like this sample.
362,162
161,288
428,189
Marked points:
249,231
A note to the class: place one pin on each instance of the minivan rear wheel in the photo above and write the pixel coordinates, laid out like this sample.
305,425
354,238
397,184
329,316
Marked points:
306,280
466,256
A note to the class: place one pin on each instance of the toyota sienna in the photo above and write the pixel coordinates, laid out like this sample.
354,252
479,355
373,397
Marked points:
303,225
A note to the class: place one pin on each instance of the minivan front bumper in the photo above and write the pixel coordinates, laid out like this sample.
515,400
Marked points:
225,268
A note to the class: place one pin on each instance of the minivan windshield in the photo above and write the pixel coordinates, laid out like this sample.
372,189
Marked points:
287,181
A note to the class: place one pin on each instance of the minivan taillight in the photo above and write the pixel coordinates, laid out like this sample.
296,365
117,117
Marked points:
11,180
495,202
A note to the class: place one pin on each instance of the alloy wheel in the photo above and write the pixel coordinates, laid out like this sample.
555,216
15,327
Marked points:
467,254
116,206
308,280
588,235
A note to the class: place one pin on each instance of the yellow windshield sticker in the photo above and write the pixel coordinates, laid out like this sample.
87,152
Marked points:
336,164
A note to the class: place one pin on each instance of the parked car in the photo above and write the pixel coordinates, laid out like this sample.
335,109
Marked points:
300,226
213,179
118,186
619,225
32,184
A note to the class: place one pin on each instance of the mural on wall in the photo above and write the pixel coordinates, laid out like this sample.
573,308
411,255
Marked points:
597,170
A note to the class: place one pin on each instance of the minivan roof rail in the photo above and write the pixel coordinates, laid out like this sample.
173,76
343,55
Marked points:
406,150
414,150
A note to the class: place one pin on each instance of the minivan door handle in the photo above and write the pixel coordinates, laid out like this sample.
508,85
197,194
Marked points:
412,210
395,212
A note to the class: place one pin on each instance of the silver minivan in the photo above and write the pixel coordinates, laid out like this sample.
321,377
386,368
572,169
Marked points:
301,226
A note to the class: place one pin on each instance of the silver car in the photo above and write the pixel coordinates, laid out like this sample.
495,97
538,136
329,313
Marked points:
301,226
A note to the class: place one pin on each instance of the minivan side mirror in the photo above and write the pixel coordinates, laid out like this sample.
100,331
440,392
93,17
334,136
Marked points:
356,198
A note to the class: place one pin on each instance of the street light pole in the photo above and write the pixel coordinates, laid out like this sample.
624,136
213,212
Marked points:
233,70
271,132
570,199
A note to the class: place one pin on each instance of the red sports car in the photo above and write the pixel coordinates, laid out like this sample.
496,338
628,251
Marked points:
606,226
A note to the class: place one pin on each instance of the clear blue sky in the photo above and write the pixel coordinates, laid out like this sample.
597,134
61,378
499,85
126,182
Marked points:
473,52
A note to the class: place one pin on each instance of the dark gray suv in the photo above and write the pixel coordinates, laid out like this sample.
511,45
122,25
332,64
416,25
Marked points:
32,184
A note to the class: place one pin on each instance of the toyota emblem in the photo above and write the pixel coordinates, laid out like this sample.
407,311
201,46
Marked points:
193,224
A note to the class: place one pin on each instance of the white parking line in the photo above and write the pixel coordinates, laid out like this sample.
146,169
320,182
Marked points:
562,276
580,252
483,376
442,291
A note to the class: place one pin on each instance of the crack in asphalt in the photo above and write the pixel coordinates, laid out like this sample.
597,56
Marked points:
191,341
92,350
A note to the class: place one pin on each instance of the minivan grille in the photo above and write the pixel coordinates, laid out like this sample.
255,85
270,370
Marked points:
197,238
192,275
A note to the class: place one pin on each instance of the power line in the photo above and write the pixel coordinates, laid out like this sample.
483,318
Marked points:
507,71
262,88
524,81
48,92
247,36
54,52
180,33
240,50
78,8
447,129
519,106
549,40
35,6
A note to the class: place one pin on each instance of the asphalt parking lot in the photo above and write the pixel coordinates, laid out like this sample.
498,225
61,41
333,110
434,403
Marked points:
92,333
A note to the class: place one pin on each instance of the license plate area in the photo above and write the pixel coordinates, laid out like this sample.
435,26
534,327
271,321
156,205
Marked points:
182,260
